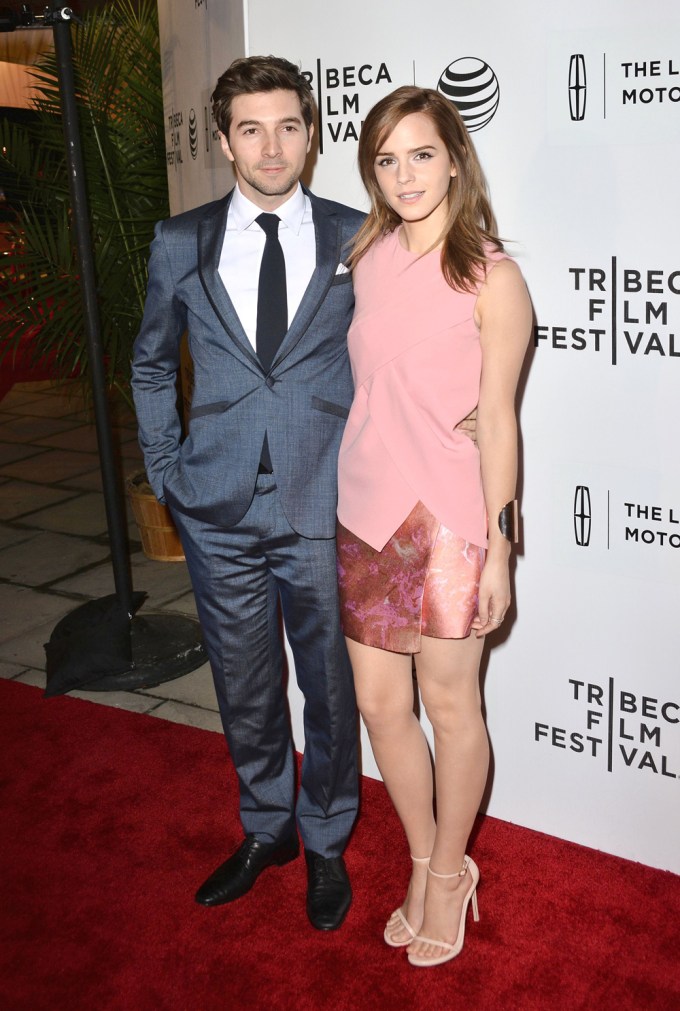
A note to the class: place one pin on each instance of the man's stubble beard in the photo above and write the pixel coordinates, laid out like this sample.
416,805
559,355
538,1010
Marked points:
276,188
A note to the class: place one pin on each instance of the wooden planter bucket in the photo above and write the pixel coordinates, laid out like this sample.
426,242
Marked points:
160,540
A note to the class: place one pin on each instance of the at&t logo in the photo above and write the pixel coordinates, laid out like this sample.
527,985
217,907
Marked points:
472,86
193,134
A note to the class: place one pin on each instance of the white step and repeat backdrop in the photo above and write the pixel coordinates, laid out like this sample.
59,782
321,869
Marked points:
576,117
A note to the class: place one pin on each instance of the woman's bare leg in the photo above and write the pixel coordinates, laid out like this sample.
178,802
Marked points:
384,688
448,677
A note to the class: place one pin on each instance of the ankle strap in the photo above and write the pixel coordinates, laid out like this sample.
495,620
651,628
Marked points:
420,860
458,874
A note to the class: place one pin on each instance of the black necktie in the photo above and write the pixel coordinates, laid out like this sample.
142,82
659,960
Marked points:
272,301
272,307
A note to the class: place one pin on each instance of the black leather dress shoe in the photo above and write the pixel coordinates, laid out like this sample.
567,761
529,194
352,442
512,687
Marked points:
329,893
238,874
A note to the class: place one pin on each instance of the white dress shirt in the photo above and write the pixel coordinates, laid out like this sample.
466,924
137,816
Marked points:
243,246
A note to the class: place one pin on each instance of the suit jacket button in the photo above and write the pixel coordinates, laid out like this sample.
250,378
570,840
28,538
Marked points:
270,382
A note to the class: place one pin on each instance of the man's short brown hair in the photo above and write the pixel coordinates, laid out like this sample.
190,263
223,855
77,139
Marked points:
251,74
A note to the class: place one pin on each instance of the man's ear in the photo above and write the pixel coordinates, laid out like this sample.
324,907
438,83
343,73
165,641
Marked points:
310,134
224,144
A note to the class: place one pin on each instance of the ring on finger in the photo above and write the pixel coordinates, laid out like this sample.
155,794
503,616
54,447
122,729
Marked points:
496,621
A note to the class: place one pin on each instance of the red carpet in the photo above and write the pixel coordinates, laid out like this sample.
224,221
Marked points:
111,820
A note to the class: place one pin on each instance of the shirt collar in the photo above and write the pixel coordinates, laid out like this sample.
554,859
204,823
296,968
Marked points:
242,211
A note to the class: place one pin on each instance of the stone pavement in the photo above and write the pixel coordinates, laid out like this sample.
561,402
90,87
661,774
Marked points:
54,552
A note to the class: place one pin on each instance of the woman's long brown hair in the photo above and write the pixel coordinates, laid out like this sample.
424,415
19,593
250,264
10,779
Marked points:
470,223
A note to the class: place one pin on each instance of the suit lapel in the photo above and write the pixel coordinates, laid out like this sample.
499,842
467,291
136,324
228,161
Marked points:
328,236
211,231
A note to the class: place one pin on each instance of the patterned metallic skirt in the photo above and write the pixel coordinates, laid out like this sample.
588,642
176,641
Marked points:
425,581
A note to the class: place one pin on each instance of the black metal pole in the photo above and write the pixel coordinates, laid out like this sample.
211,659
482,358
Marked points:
113,500
163,646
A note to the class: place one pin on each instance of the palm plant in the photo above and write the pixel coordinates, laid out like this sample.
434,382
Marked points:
120,103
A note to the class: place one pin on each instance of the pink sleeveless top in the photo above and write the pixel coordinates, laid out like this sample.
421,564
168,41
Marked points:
416,362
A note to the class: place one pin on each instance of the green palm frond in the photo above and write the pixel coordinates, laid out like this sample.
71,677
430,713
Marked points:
117,73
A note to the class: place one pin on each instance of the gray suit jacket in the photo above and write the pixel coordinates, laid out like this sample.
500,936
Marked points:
302,403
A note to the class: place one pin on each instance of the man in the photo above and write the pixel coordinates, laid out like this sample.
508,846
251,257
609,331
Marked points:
267,304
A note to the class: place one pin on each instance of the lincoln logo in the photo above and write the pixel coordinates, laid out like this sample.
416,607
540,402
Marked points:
577,87
582,515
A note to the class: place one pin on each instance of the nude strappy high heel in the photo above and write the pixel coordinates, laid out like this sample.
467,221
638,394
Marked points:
451,950
401,920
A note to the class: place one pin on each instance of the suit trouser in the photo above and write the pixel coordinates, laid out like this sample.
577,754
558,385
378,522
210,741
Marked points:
239,576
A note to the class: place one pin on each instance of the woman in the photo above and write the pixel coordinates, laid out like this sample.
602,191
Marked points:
441,324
